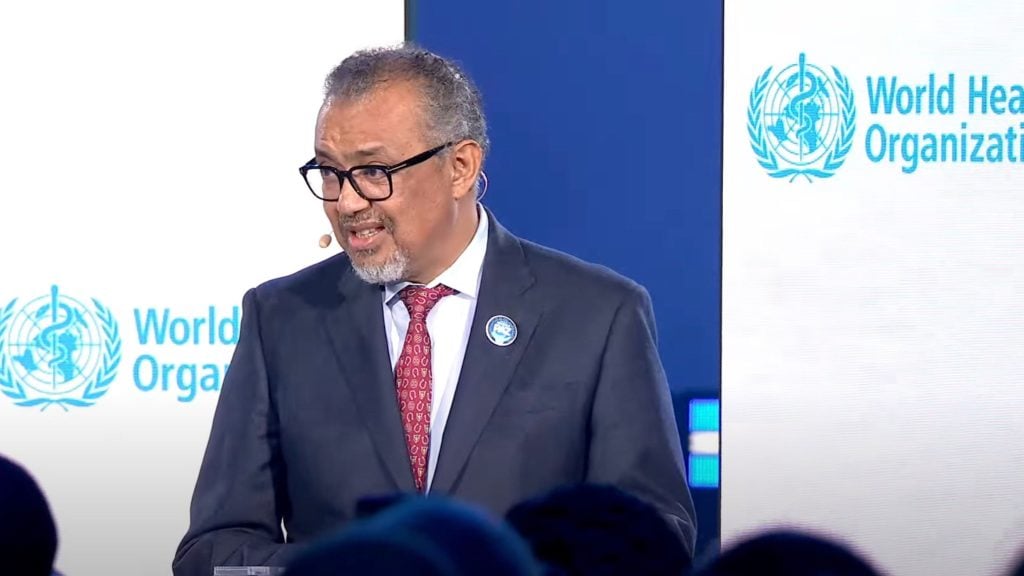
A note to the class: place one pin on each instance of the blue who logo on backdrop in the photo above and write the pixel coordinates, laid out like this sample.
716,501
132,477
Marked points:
801,121
55,350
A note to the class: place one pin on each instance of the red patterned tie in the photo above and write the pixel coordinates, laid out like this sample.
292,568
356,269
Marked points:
413,376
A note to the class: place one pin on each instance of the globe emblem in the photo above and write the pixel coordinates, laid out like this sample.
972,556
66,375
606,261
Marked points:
501,330
802,113
55,344
801,120
56,350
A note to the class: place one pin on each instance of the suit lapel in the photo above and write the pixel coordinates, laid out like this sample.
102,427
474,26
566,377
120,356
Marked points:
487,368
356,330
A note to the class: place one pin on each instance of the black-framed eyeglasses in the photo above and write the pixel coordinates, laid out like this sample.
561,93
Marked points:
371,181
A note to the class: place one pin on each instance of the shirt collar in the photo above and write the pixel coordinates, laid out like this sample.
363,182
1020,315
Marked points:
464,274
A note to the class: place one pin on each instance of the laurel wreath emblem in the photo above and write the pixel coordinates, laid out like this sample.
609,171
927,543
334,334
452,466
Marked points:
96,388
759,140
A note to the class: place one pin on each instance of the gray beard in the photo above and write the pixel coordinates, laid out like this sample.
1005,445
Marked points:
392,270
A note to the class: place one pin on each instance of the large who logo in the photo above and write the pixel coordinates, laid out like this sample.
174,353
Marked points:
801,121
55,350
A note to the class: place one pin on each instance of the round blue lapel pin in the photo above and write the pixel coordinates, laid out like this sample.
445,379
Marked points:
501,330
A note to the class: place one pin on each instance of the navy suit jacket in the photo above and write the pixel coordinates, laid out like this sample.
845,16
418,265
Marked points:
308,422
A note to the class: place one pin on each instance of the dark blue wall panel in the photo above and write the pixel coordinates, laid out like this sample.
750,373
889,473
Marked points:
606,126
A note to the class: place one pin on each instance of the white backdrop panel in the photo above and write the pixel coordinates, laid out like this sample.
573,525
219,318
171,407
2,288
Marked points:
149,158
871,337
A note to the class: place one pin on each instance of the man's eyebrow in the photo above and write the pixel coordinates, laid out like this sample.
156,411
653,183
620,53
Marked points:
370,150
323,154
364,152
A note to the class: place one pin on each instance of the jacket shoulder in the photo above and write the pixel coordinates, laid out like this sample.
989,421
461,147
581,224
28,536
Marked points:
577,277
320,279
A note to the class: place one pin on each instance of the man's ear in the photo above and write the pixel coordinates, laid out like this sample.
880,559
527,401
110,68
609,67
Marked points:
466,160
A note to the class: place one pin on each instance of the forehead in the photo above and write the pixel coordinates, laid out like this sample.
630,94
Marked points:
390,111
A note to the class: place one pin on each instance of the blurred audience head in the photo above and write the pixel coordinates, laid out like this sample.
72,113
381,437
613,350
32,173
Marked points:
786,552
419,536
594,530
28,534
361,552
1017,567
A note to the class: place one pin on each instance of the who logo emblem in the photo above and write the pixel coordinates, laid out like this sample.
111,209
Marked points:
55,350
801,121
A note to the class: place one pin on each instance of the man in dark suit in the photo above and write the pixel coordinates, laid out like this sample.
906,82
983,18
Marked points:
438,354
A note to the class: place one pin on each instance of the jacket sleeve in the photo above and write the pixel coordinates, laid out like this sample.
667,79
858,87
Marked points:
240,497
634,439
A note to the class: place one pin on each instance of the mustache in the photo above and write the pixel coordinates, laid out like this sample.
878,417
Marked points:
348,222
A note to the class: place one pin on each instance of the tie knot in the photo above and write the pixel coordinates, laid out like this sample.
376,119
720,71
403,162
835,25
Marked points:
420,299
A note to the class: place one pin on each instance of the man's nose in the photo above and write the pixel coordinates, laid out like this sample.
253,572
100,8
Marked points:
349,201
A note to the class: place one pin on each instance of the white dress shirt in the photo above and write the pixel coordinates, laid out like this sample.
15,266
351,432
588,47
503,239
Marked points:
448,324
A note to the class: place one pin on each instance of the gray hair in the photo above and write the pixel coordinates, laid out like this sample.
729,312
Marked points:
452,102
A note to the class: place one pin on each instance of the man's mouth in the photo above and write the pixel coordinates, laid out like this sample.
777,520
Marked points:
365,236
367,233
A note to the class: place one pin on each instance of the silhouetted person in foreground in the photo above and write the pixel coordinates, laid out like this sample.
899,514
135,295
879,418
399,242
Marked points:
597,530
28,534
1017,568
430,536
788,553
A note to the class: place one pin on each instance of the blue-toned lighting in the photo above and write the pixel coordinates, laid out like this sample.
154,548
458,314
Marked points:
704,415
704,426
703,471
